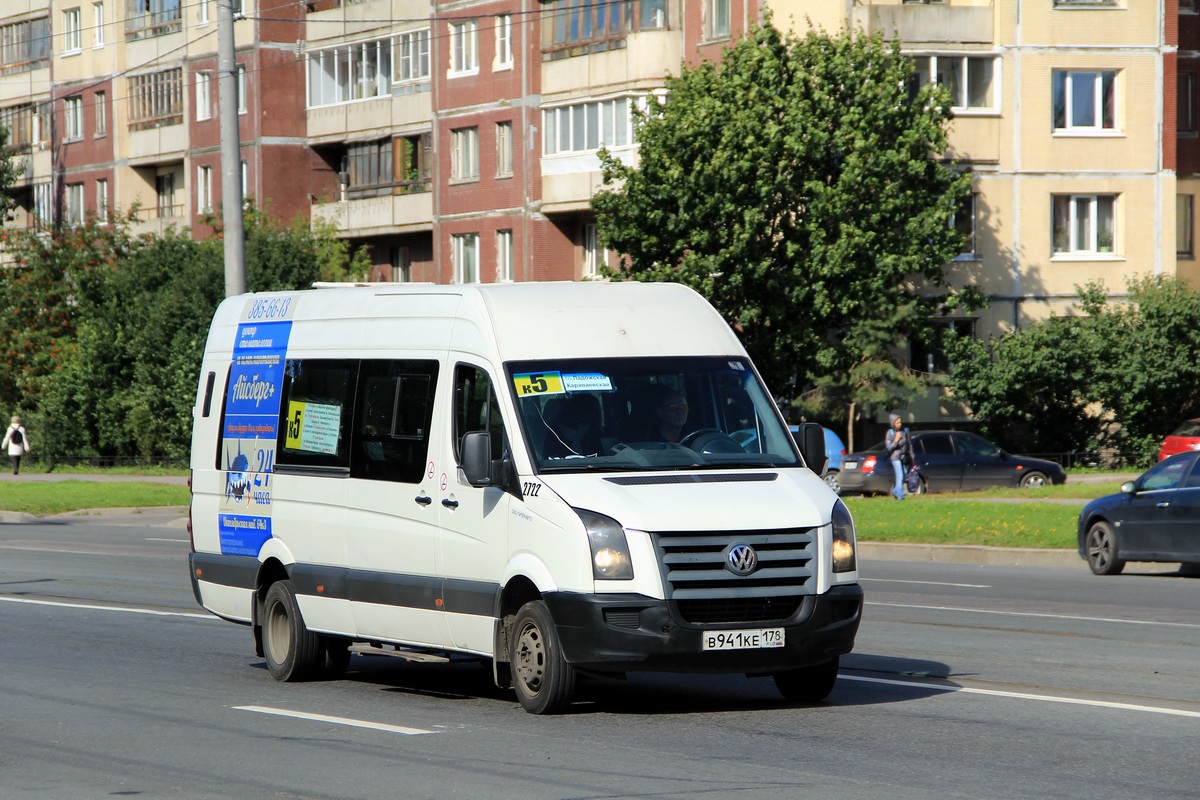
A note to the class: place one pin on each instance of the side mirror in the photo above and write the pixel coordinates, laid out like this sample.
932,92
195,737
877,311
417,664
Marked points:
811,439
477,458
1127,487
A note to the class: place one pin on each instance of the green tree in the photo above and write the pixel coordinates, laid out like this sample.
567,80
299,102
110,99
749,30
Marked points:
56,273
1032,389
796,186
9,172
1148,358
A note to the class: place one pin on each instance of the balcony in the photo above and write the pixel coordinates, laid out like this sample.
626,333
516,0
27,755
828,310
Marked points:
373,216
927,22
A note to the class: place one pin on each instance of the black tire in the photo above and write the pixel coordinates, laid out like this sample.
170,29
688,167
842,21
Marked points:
1103,549
293,652
541,676
335,654
1034,479
831,480
808,684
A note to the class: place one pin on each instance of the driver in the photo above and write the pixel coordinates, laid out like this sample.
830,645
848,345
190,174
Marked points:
669,417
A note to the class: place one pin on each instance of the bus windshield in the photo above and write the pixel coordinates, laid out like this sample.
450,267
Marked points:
625,414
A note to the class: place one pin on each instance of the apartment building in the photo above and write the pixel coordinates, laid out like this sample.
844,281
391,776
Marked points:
457,140
113,104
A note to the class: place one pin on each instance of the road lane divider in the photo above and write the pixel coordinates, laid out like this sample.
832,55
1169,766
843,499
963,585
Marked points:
347,721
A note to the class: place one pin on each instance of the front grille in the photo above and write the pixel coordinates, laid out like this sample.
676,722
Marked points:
705,592
747,609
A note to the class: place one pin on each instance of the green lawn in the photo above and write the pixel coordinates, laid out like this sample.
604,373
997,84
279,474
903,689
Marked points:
997,517
71,495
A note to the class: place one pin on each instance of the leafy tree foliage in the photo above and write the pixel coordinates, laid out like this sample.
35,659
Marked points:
1032,389
795,186
109,366
1125,374
9,171
1147,358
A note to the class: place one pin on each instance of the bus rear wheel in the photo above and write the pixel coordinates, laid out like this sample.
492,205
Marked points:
293,652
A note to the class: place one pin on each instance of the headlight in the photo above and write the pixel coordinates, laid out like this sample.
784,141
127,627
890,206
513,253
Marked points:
844,543
610,551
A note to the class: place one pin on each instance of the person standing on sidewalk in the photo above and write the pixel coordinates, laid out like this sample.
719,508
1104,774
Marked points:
897,445
16,441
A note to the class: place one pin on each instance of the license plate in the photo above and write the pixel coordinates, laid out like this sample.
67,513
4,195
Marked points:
743,640
849,465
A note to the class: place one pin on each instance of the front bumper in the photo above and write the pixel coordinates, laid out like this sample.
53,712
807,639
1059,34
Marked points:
628,632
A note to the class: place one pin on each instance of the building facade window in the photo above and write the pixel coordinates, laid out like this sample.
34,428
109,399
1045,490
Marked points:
716,19
368,168
1085,100
413,158
594,256
73,113
28,124
203,15
964,223
204,195
74,209
504,52
1084,223
465,255
504,150
1185,115
242,94
43,203
401,262
1091,3
929,355
571,27
72,31
146,18
102,198
164,188
464,51
203,95
971,80
101,105
1185,220
98,30
350,72
504,256
411,59
156,100
24,45
587,126
464,154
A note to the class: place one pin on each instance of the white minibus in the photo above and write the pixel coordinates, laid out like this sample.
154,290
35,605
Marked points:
543,476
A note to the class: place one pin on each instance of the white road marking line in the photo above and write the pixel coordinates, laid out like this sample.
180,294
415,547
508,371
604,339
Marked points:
927,583
354,723
1035,614
1023,696
174,541
147,611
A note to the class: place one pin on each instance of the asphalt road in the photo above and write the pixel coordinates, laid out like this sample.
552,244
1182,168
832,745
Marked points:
968,681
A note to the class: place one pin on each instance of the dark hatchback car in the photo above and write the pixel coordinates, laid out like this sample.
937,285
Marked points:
1153,518
950,461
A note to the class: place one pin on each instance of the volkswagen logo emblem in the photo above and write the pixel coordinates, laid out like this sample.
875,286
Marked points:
741,559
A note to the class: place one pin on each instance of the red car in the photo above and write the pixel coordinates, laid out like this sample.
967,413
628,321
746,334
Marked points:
1185,437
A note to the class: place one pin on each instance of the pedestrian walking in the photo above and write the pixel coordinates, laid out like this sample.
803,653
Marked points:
16,441
897,445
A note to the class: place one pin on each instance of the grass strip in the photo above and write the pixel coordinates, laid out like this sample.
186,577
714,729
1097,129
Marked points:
61,497
948,520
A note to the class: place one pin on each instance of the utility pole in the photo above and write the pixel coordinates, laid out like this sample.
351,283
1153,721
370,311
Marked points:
231,154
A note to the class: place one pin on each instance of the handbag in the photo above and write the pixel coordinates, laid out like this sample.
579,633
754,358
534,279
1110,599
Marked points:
912,481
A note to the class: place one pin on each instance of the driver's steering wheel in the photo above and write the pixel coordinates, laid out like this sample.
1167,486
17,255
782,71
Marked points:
710,440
